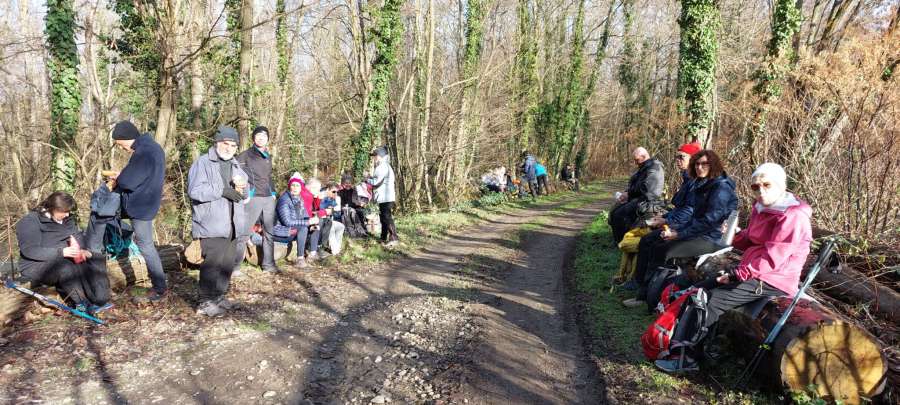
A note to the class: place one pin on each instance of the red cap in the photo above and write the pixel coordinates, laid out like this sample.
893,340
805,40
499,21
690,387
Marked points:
690,148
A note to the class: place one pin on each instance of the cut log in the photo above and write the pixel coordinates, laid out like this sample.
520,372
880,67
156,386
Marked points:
815,347
853,287
122,273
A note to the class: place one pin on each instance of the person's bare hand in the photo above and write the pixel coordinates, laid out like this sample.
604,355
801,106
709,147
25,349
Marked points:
656,221
670,234
86,253
70,251
723,279
314,220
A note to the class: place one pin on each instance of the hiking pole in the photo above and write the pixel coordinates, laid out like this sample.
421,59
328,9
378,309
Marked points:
53,302
766,345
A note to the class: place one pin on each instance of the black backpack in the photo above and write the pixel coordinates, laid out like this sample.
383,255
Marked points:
662,278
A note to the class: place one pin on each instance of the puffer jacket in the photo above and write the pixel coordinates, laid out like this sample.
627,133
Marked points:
714,199
776,243
683,202
291,213
205,186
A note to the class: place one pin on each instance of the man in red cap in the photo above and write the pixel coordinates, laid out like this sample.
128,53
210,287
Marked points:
681,214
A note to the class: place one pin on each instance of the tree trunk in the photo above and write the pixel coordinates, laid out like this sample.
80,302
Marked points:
246,60
853,287
166,118
65,92
815,347
697,60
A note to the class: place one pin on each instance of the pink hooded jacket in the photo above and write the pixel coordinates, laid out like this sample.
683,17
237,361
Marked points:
776,244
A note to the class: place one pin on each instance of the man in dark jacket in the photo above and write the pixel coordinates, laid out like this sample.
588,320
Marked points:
140,184
257,162
645,186
529,174
217,186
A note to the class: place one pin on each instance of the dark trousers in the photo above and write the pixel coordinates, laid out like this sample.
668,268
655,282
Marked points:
218,264
661,252
542,184
143,238
76,283
388,229
303,236
646,247
621,219
721,299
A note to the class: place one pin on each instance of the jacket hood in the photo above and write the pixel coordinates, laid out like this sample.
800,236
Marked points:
781,206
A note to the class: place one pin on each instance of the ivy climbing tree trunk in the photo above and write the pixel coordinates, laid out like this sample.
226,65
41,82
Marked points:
424,68
387,37
571,97
65,94
525,70
468,121
780,58
697,60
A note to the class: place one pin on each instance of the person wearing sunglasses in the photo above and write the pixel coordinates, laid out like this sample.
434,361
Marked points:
683,203
775,245
714,198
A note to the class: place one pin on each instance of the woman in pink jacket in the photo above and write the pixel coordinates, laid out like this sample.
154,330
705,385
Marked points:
775,245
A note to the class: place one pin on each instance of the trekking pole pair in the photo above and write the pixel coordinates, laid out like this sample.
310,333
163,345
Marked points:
50,301
766,345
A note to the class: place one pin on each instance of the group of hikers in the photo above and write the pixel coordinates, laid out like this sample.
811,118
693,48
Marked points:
533,177
232,196
775,245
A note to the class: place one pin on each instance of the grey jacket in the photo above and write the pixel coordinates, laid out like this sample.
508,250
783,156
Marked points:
383,183
210,209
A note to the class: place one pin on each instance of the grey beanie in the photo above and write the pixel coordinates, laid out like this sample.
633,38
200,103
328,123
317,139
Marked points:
226,134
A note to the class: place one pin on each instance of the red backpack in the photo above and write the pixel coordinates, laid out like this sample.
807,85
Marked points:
656,339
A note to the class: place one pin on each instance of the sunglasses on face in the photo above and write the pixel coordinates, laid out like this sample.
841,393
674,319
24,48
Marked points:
703,163
759,186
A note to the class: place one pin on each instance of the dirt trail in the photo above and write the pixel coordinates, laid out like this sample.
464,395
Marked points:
479,317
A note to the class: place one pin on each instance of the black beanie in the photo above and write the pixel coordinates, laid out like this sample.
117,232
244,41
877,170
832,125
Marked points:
125,131
258,130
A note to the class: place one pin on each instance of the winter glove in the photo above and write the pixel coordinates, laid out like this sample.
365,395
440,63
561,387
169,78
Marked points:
232,194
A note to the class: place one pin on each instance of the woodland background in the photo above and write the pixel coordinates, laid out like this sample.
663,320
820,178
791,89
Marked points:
455,87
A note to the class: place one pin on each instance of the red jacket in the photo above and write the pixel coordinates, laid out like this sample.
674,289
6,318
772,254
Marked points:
308,203
776,244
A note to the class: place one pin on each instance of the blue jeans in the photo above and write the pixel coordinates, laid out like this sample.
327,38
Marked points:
303,235
143,238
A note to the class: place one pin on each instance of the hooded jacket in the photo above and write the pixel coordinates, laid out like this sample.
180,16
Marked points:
141,181
41,239
383,182
529,169
776,243
210,209
646,184
714,199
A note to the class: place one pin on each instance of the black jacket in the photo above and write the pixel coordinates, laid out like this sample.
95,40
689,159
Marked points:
259,170
41,239
141,181
646,184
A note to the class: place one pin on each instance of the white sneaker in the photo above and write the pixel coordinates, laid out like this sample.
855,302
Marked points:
210,309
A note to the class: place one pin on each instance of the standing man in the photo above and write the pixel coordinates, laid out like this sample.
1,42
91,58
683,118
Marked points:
645,185
257,163
529,174
140,184
217,186
385,195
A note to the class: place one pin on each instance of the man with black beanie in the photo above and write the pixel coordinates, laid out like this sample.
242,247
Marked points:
257,162
140,185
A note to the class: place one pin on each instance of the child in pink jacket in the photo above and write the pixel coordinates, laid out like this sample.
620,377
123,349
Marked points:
775,245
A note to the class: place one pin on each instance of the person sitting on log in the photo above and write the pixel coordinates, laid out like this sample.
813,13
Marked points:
714,199
352,208
645,185
775,245
297,222
331,231
683,203
50,246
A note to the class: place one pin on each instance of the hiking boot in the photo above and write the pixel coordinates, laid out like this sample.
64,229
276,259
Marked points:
633,302
312,257
630,285
151,297
300,263
227,304
271,269
210,309
681,364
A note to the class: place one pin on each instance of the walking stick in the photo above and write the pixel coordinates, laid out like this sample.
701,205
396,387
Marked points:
766,345
53,302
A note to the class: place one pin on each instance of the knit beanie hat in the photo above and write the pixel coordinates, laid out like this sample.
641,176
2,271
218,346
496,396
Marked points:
226,134
259,129
772,172
125,131
295,178
690,148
